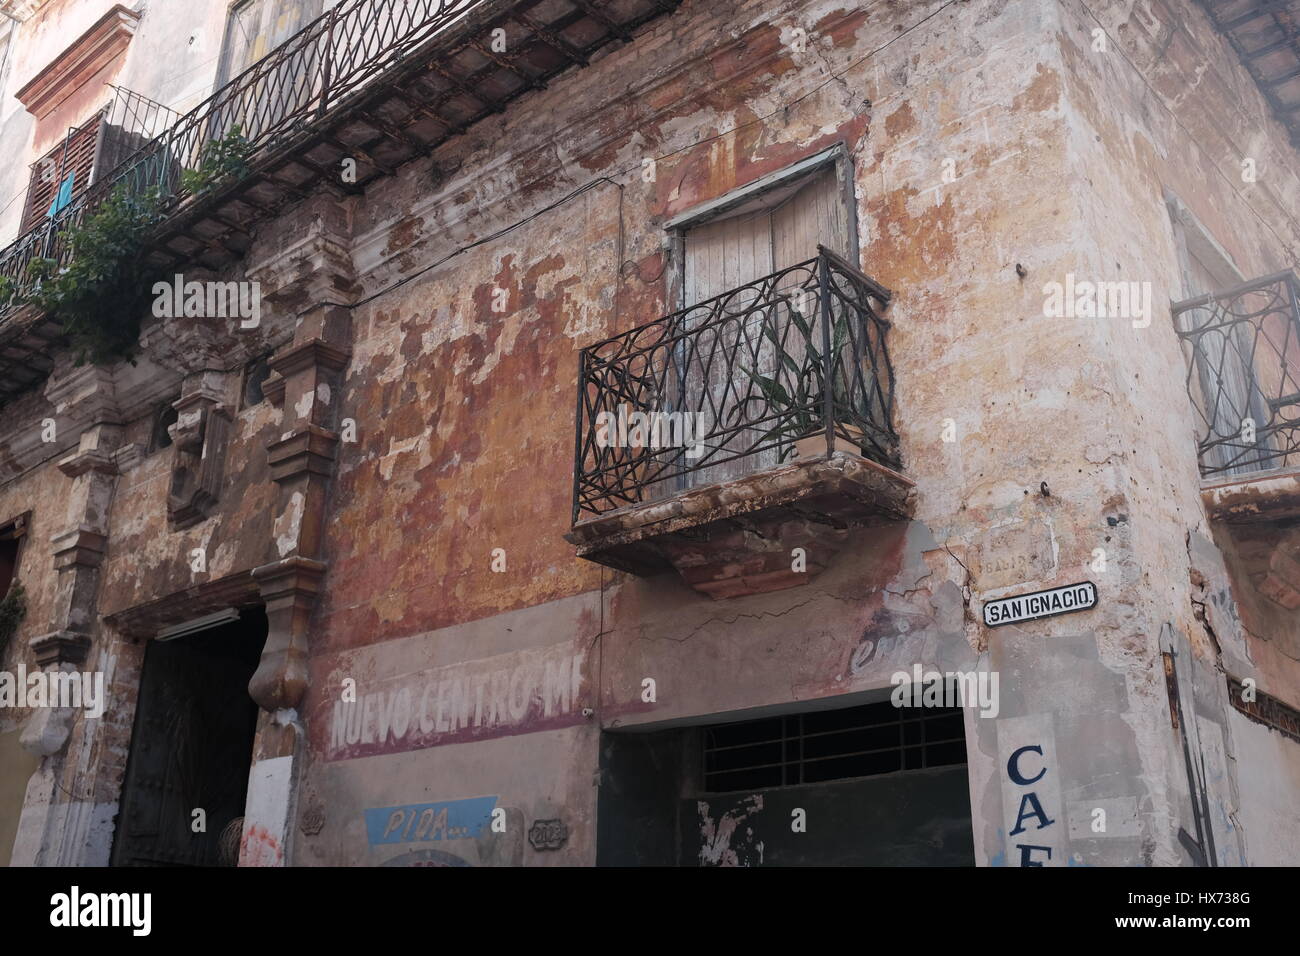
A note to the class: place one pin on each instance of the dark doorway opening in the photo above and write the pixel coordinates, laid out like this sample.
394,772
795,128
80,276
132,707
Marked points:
870,785
191,747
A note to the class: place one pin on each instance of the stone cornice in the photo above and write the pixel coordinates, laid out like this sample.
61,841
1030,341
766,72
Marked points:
104,42
314,270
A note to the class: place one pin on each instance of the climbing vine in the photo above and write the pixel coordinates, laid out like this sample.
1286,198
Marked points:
100,295
222,159
102,292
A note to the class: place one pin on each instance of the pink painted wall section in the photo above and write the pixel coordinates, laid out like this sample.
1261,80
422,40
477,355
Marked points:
514,673
515,693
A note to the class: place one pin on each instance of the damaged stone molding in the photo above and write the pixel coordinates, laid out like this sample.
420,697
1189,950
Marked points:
143,622
199,440
78,551
1262,496
88,407
77,398
1256,508
736,537
312,279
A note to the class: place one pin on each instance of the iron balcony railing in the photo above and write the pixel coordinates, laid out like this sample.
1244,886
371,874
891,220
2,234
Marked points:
126,123
1242,347
736,384
300,80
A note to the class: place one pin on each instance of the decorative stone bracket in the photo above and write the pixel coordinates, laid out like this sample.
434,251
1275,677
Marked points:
736,537
78,554
199,440
313,279
289,588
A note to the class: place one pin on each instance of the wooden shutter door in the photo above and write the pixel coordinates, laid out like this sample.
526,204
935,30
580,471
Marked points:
74,157
724,255
813,216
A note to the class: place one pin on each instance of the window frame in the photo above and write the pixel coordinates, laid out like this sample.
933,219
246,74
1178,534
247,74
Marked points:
1193,241
723,206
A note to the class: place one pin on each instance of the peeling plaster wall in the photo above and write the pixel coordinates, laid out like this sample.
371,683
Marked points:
1167,109
479,422
40,491
172,59
469,694
994,137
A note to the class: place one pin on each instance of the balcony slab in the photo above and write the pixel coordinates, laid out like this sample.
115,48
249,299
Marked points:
1262,510
1258,496
736,537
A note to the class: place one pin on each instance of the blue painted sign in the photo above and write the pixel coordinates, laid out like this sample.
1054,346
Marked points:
422,822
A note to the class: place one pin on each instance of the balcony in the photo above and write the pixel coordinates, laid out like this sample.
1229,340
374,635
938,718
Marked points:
379,82
718,439
1264,33
1242,347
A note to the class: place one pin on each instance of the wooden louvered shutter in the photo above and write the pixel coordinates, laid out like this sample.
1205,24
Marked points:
778,232
74,156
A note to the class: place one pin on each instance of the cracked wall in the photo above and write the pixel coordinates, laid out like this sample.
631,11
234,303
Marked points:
993,151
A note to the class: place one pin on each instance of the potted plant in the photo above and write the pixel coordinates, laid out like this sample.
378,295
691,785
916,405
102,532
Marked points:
801,422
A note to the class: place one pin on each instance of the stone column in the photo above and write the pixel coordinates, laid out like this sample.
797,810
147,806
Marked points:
314,278
49,824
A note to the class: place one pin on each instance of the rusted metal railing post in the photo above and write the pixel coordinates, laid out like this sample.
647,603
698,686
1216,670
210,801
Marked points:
824,310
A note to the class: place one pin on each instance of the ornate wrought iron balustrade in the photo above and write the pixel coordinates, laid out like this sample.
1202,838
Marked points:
126,123
1242,347
729,386
328,60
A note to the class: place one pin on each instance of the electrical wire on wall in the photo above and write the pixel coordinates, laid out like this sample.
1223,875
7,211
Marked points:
832,77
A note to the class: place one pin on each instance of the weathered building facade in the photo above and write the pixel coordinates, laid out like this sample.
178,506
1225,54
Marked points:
922,306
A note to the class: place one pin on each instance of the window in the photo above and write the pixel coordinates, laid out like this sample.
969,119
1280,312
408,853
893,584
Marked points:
164,418
753,232
825,745
257,27
256,373
1230,395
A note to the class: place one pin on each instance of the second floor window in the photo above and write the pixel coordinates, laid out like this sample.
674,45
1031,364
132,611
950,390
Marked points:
63,172
776,227
257,27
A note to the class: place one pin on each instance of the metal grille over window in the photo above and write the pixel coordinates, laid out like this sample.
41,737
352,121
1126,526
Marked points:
1242,347
797,354
821,746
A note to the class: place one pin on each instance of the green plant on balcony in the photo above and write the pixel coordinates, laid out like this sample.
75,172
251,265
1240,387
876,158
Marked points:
100,295
800,408
223,158
13,608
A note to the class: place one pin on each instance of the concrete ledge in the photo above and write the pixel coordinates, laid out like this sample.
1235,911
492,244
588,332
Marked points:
716,535
1257,496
